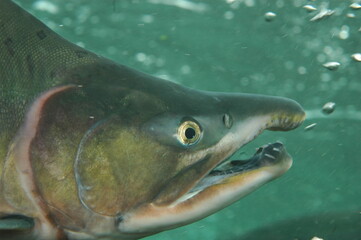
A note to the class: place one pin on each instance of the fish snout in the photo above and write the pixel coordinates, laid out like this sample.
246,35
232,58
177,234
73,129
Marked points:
286,121
286,114
283,114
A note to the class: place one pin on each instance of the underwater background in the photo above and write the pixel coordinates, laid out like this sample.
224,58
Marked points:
234,46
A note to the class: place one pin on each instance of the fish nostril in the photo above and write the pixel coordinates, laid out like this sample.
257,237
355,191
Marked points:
259,150
118,219
227,120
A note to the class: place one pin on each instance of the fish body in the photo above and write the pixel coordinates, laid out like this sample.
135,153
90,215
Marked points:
92,149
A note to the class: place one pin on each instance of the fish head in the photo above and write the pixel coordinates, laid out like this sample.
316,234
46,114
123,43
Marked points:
162,160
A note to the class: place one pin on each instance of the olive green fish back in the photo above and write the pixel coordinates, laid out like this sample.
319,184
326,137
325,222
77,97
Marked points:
32,59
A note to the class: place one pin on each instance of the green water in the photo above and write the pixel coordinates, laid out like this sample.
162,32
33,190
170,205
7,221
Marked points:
228,46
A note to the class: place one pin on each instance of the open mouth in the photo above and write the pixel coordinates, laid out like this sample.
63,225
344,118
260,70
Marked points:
237,178
216,181
226,183
268,162
267,155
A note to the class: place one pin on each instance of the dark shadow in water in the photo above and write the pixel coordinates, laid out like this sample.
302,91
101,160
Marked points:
330,226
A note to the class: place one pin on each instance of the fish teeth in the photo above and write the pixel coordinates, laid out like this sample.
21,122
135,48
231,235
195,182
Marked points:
276,149
270,156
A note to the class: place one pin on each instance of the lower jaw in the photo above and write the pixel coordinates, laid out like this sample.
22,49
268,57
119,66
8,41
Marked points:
153,218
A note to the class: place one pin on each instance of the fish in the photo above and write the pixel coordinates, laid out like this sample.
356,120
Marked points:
93,149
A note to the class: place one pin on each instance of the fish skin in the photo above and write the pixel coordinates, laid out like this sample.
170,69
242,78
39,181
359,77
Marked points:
66,115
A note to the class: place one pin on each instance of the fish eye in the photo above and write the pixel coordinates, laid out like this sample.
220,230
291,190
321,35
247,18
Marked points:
189,132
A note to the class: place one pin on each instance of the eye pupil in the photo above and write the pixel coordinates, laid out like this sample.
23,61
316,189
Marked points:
190,133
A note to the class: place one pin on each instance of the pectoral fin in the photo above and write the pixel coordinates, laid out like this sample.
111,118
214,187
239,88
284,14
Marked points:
17,227
16,223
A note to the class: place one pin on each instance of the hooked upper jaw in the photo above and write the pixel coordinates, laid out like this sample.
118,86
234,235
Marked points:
223,182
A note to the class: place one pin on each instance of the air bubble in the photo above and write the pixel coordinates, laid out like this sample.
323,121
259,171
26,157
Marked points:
147,18
46,7
80,44
311,126
332,65
270,16
325,77
309,8
355,6
302,70
356,57
322,14
185,69
111,50
344,33
67,21
228,15
316,238
328,50
321,57
328,108
141,57
249,3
